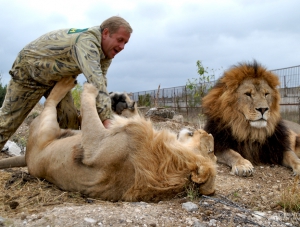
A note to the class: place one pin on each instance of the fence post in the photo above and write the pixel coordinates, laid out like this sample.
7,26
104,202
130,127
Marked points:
186,103
163,94
298,110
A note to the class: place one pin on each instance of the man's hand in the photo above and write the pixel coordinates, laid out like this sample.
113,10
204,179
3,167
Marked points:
106,123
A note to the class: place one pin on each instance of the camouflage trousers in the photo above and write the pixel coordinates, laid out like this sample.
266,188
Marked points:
20,100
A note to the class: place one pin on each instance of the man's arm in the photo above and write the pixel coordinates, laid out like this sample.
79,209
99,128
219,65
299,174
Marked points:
87,56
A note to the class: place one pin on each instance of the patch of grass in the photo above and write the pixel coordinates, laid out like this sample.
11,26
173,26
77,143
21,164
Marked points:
290,197
192,191
235,194
35,114
20,192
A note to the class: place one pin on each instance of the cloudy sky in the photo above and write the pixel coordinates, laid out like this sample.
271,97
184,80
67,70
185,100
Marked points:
168,36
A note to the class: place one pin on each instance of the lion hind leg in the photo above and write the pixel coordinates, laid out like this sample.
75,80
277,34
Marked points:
239,165
60,90
47,127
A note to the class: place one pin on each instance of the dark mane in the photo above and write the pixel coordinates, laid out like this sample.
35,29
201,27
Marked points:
268,152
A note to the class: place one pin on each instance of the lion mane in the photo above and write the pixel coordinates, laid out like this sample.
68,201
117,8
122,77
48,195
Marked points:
243,115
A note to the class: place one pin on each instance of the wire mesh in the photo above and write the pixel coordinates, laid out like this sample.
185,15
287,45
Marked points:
183,101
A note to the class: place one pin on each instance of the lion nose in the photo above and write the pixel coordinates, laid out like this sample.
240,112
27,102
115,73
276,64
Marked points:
262,110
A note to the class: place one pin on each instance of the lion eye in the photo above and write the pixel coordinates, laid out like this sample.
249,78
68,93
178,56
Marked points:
248,94
191,133
266,94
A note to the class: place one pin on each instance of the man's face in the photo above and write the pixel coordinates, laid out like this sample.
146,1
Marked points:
114,43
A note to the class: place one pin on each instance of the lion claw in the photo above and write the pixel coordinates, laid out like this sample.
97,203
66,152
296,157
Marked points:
243,170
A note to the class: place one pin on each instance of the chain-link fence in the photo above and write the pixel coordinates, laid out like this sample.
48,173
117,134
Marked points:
290,92
188,103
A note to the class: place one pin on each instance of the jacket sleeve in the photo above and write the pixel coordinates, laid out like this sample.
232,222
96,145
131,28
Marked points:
87,56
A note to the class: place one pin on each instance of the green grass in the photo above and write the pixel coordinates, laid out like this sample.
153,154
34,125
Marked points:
290,197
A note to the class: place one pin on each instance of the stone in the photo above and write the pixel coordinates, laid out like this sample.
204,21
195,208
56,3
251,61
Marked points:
12,149
189,206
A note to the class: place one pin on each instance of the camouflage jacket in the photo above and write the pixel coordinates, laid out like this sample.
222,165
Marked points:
63,53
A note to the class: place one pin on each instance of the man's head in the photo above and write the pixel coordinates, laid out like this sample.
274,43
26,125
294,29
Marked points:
115,34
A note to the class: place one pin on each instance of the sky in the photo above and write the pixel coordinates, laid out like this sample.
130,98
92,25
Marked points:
168,37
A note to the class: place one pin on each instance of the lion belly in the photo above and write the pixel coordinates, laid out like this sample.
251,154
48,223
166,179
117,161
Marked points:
62,166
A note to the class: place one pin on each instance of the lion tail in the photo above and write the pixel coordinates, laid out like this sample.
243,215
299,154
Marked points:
16,161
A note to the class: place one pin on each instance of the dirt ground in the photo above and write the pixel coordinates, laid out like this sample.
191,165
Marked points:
251,201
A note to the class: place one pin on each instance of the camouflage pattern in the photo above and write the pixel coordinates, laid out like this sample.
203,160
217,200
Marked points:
63,53
46,60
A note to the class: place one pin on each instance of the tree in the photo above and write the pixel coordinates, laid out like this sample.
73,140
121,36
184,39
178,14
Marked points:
198,87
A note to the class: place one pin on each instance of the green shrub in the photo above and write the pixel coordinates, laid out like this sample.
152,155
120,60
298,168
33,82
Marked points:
76,93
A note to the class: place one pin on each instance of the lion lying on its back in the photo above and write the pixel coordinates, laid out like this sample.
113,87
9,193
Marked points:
244,118
129,161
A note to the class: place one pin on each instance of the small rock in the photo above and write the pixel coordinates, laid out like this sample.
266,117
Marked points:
90,220
23,216
212,222
189,206
275,187
241,215
199,224
258,214
264,198
189,221
208,212
274,218
12,149
137,210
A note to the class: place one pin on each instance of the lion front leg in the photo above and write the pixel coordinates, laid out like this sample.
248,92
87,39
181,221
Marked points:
291,160
239,166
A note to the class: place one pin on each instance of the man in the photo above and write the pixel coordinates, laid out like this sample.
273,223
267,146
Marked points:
56,55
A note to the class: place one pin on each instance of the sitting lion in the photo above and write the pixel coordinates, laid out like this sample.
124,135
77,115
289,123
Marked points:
243,115
130,161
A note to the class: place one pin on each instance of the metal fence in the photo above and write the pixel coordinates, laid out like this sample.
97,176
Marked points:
183,101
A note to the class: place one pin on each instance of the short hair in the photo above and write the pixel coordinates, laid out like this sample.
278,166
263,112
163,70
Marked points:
114,23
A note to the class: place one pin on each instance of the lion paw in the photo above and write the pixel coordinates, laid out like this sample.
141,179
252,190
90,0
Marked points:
243,168
61,88
89,88
66,84
296,170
